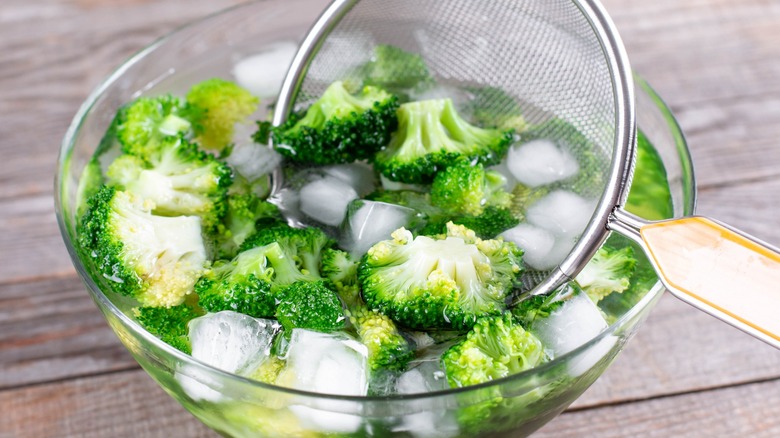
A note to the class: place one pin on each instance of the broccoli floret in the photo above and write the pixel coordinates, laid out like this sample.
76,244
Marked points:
536,307
341,269
522,198
649,196
155,259
169,324
90,182
492,222
244,210
443,282
310,305
608,271
215,107
339,127
148,121
396,70
268,370
302,245
178,179
387,348
495,347
491,106
466,188
269,261
431,136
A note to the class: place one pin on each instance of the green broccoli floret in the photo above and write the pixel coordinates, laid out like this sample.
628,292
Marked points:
396,70
494,348
178,179
155,259
146,122
90,182
443,282
268,370
608,271
491,106
302,245
492,222
310,305
215,107
253,281
466,188
649,196
536,307
247,284
169,324
339,127
341,269
387,348
523,197
244,210
431,136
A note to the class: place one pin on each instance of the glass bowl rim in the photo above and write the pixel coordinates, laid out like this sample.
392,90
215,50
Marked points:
68,144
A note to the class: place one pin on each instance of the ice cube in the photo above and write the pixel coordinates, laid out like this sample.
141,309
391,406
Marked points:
330,364
369,222
232,341
535,242
573,324
262,74
460,98
562,212
540,162
326,363
325,200
359,176
249,159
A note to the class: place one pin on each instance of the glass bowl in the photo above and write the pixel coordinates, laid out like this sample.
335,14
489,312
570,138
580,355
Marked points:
235,406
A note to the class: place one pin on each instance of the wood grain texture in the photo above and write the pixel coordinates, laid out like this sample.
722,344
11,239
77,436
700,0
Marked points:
747,410
63,373
126,404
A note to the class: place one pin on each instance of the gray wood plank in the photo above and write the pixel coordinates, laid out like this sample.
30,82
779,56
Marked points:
748,410
52,330
125,404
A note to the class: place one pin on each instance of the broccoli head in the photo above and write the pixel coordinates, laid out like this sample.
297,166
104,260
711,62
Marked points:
447,281
177,179
303,246
339,127
244,210
466,188
169,323
432,136
148,121
341,269
649,196
251,283
494,107
492,222
155,259
395,69
310,305
387,348
608,271
494,348
215,106
535,307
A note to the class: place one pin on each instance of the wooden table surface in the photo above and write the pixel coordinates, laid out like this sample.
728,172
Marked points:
63,372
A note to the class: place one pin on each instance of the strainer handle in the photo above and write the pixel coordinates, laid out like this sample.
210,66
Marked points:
715,268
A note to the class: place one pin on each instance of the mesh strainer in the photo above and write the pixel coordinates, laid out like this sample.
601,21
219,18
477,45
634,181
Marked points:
561,60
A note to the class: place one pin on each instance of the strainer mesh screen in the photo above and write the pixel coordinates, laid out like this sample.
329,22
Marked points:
544,54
